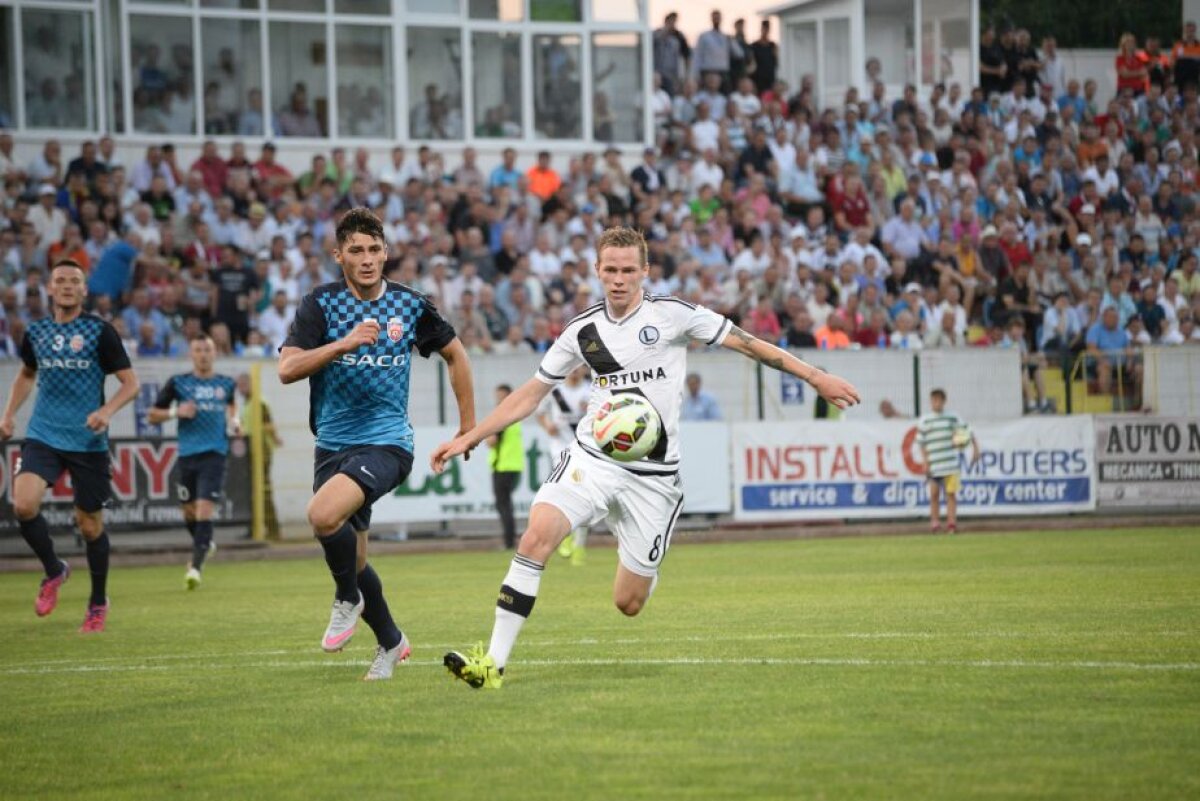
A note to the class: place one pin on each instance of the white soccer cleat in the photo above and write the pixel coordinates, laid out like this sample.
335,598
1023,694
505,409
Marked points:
192,579
385,660
342,621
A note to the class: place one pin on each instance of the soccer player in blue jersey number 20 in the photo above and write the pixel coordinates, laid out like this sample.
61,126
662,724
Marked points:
353,340
69,355
205,404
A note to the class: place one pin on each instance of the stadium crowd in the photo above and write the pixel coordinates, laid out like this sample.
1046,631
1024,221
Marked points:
1021,212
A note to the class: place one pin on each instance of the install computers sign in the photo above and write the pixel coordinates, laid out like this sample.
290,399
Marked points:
836,470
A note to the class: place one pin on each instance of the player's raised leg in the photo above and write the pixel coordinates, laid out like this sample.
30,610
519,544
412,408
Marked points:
548,526
28,491
329,515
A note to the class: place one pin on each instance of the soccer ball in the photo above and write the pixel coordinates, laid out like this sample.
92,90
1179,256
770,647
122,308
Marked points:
961,437
626,427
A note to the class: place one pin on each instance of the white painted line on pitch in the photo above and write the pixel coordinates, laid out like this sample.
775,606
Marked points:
595,642
592,641
664,661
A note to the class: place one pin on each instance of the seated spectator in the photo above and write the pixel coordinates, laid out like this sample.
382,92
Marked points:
906,335
832,335
1108,347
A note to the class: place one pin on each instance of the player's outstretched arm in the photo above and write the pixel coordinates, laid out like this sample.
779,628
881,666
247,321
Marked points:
838,391
98,420
298,363
458,364
22,385
517,406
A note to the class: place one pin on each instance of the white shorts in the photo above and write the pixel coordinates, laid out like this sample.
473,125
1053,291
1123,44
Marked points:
641,509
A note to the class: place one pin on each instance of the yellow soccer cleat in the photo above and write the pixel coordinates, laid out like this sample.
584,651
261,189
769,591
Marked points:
476,668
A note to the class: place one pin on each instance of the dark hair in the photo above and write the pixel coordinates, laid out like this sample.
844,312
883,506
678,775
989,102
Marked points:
360,220
68,263
938,393
506,388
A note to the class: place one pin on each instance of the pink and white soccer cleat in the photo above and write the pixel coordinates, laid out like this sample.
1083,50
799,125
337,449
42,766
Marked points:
93,623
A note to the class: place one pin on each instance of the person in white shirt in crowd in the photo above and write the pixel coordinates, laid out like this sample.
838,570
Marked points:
544,263
745,99
705,131
399,171
146,227
152,165
274,321
906,335
755,258
709,171
48,220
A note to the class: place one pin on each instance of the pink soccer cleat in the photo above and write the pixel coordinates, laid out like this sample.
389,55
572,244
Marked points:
47,597
93,623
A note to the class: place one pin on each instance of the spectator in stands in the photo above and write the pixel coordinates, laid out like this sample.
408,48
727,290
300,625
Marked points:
1109,347
712,54
698,403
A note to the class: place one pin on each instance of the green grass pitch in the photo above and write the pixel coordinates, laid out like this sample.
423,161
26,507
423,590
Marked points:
1038,665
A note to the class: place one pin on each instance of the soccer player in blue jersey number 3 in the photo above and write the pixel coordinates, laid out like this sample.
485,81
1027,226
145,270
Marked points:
70,354
353,340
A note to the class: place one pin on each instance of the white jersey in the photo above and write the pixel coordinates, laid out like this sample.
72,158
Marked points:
565,406
645,352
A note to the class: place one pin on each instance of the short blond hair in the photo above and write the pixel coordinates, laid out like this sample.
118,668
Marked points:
622,237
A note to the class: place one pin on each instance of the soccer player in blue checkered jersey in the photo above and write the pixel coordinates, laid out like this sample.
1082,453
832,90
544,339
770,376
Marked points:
68,355
353,339
205,404
632,342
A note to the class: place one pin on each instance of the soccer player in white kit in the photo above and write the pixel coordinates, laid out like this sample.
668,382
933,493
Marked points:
632,343
559,414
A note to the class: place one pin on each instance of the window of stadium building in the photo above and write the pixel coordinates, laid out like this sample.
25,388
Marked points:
233,91
58,58
8,81
371,70
435,83
497,84
160,63
364,64
557,110
616,82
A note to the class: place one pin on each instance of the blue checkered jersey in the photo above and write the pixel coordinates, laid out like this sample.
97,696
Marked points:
213,395
71,360
361,398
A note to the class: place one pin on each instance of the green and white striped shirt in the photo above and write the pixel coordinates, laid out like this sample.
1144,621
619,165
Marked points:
934,433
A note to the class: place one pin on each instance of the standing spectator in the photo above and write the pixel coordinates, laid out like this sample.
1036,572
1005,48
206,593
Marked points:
741,59
236,293
993,68
766,58
698,404
936,438
1131,70
671,55
543,180
114,271
712,56
506,459
1186,57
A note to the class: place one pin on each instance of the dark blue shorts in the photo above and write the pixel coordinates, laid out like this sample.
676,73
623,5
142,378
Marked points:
201,477
378,469
90,471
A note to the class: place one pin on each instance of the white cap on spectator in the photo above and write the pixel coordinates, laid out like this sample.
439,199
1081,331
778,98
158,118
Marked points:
1087,208
933,175
47,189
990,231
1083,241
799,232
912,286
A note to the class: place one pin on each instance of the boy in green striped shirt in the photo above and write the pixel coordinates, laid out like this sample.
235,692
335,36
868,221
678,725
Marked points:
941,435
